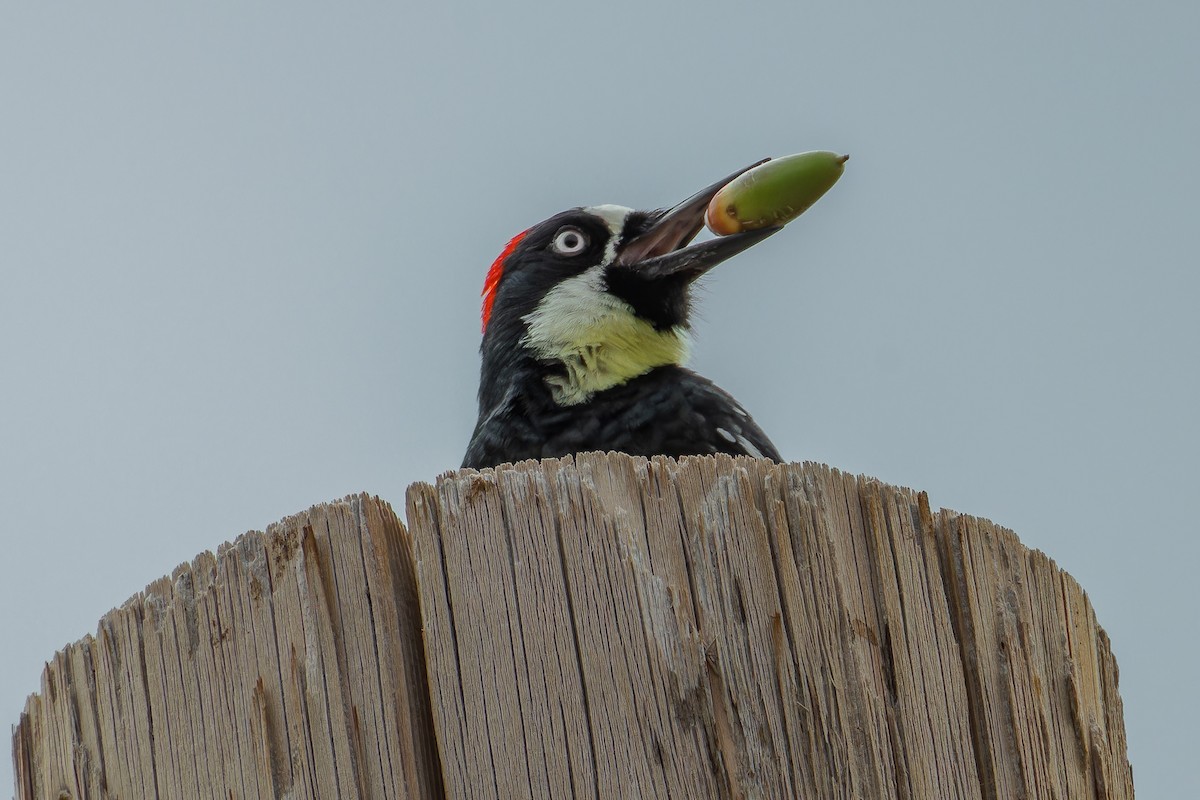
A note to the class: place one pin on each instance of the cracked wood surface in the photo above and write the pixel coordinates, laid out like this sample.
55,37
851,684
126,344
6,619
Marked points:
611,627
287,665
596,627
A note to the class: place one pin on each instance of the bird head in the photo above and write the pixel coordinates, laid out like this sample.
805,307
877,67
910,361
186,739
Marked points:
599,295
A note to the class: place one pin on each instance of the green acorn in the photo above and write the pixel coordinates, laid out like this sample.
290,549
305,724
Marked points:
773,193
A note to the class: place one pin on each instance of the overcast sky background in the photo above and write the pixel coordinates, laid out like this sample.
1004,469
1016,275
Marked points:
242,247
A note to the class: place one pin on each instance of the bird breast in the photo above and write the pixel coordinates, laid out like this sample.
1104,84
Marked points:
597,337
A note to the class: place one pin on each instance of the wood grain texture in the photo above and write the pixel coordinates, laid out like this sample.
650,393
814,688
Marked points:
607,627
287,665
596,627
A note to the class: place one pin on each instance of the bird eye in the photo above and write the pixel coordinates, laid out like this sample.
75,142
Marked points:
569,242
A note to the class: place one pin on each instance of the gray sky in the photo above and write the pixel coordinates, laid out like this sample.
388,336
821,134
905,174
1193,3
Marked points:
242,251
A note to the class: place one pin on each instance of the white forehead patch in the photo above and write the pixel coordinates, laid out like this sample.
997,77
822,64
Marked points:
614,217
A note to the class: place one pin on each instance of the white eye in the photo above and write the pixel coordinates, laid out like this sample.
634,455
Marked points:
569,241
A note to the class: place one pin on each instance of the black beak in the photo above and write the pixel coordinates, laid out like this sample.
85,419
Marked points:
662,250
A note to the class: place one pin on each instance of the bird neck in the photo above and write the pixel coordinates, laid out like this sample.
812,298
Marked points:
581,370
574,369
592,340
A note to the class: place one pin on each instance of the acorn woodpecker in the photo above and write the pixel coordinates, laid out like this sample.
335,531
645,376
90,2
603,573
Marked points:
585,332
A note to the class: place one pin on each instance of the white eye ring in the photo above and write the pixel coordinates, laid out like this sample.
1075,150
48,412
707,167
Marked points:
569,241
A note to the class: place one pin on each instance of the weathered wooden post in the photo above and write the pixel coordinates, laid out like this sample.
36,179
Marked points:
601,627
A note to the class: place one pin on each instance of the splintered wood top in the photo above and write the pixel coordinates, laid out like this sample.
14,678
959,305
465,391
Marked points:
612,627
599,627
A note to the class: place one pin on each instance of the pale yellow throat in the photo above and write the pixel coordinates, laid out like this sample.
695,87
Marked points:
598,338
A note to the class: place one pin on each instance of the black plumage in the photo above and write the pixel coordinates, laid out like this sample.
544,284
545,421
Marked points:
669,411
